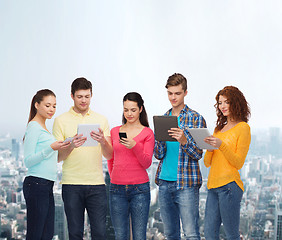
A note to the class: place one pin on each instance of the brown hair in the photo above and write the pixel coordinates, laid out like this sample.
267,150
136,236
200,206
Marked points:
175,80
239,107
37,98
81,84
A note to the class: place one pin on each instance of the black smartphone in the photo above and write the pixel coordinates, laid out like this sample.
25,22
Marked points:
122,135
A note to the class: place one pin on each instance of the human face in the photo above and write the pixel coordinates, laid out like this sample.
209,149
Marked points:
47,107
176,96
131,111
81,99
224,105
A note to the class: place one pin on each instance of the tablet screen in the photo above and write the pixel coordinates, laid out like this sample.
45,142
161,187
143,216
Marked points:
199,134
161,126
86,129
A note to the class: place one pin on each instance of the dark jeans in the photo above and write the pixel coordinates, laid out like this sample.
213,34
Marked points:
223,206
38,194
179,206
130,200
93,198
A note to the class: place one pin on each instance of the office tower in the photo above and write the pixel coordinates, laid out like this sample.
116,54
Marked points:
60,219
109,225
278,223
15,149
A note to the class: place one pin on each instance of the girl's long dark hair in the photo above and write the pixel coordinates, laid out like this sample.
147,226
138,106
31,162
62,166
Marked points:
37,98
136,97
239,107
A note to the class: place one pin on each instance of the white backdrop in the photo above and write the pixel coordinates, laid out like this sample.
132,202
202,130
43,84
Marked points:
135,45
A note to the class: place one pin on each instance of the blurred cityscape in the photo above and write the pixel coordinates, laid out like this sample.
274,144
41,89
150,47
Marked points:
261,207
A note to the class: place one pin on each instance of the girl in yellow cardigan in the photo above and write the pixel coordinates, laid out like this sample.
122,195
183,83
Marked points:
225,188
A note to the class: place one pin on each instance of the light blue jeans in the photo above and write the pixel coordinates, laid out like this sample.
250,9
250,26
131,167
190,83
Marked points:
223,206
126,201
176,205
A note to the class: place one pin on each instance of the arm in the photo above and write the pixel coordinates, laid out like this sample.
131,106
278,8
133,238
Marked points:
159,150
105,142
60,136
31,157
144,153
237,158
208,158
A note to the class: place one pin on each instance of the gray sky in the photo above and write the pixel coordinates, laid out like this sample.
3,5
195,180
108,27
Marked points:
132,45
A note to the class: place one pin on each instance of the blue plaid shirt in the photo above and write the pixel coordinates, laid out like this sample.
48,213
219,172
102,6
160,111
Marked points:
188,173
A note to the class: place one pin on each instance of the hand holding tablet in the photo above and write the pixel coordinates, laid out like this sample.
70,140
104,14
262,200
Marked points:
162,124
199,134
86,129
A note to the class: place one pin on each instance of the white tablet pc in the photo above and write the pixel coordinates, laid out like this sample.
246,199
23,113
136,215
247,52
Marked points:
199,134
86,129
161,126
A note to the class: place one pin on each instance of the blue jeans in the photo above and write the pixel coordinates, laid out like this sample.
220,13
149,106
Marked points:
223,206
93,198
176,205
126,201
38,194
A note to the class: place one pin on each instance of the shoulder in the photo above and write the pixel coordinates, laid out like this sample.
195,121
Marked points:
148,132
193,113
243,126
98,116
33,130
63,116
33,126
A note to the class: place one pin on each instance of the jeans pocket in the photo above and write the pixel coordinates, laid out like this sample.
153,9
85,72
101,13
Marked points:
143,188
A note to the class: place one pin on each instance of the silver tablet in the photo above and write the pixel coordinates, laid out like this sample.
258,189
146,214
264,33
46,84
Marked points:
199,134
161,126
86,129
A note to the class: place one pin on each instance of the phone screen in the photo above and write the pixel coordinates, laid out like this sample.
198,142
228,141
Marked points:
122,135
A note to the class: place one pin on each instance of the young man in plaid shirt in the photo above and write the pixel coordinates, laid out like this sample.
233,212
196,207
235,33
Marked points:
178,175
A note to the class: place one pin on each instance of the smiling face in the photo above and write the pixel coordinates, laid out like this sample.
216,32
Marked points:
81,99
224,106
176,96
47,107
131,111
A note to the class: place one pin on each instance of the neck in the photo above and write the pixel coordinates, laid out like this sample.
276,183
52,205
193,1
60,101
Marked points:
81,112
40,120
176,110
133,125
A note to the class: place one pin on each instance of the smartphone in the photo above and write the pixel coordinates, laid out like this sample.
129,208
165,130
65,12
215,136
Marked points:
122,135
69,139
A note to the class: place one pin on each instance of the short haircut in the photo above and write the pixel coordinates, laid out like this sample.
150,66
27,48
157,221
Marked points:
175,80
80,84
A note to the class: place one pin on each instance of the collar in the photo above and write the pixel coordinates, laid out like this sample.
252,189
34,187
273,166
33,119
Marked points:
185,110
78,114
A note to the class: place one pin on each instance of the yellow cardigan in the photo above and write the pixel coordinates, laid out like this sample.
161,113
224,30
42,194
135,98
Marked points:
230,157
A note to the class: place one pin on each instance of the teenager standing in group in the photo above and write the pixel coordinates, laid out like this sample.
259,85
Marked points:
232,137
132,155
83,180
178,175
40,157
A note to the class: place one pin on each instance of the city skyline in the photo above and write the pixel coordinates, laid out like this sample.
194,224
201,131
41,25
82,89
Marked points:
134,46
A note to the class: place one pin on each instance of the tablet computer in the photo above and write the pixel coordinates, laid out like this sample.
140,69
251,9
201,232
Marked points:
86,129
199,134
161,126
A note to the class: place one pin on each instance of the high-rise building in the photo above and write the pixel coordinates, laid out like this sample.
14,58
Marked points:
274,141
109,225
60,219
15,149
278,223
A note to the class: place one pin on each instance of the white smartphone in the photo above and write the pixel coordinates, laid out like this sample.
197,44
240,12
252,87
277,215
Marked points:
69,139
